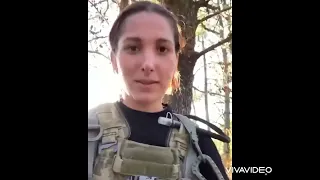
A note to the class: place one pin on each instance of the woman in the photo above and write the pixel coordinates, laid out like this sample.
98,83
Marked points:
145,44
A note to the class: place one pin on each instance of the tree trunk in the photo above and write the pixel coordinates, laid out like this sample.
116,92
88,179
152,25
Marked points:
205,83
181,100
226,148
186,12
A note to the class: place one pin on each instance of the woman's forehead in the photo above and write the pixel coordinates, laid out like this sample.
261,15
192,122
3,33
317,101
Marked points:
147,25
154,39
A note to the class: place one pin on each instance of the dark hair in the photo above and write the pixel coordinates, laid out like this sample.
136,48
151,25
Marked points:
142,6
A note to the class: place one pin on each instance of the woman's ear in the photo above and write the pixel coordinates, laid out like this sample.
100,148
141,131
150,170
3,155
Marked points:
114,62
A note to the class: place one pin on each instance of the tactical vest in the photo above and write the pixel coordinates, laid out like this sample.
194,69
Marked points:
111,156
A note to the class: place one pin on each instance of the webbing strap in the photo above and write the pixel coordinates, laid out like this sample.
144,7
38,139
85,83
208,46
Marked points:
192,130
213,165
191,156
181,143
113,122
94,134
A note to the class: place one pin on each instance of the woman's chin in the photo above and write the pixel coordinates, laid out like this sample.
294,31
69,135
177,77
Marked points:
146,97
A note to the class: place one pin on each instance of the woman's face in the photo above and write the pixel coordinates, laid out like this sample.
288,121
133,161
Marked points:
146,57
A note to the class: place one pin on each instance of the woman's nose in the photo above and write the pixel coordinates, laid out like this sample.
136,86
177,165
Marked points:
149,60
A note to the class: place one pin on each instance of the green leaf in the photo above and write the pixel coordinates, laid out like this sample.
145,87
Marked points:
200,31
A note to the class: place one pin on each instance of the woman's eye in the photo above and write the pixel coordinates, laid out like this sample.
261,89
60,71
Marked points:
132,48
162,49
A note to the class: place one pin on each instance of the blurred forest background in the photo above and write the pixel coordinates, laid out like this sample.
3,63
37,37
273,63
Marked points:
205,64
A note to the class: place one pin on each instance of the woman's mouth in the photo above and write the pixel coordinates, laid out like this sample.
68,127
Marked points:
146,81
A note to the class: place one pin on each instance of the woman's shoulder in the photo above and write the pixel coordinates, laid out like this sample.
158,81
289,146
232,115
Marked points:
100,107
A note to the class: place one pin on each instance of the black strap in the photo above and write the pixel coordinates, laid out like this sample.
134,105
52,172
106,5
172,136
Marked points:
221,135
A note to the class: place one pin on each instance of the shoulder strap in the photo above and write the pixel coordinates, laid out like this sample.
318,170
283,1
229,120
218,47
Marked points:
113,123
182,140
94,134
195,156
106,124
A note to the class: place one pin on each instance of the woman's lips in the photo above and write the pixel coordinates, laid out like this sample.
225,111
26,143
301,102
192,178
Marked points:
146,82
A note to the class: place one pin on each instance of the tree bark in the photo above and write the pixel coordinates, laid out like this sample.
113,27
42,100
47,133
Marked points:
181,100
186,12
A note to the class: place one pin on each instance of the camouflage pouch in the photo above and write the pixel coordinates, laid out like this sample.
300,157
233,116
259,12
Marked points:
119,161
104,162
135,158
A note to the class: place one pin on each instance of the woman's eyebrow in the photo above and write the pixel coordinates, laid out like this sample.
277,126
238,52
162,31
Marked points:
139,40
134,39
163,40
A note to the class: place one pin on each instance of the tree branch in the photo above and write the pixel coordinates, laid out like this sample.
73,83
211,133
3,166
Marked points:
213,8
116,1
95,7
210,93
210,30
93,17
96,52
202,3
212,15
94,32
97,37
214,46
206,4
102,1
201,68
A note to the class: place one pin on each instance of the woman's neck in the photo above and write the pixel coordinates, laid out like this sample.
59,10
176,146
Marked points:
144,107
